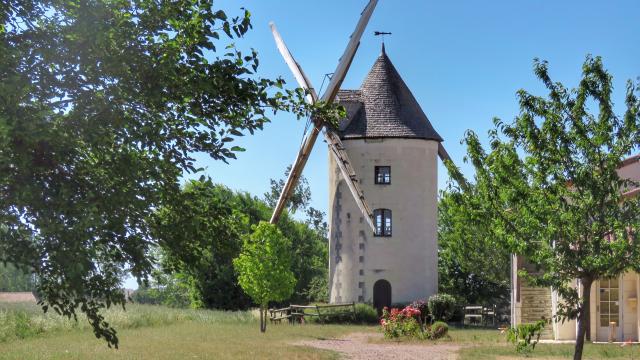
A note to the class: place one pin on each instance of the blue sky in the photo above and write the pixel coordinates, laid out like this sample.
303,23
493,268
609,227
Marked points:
463,61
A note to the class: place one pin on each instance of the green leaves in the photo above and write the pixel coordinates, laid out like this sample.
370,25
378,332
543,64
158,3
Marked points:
264,265
102,106
549,186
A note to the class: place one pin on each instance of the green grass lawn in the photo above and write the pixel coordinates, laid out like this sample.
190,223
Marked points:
482,344
189,340
550,351
154,332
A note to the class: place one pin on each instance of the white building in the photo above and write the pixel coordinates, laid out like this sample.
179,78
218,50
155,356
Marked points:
394,151
612,300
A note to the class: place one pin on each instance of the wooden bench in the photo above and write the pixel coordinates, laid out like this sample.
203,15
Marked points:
297,313
277,315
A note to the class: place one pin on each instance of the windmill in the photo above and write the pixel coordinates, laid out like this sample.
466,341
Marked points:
336,148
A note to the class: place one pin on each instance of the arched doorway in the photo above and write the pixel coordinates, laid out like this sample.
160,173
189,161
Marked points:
381,294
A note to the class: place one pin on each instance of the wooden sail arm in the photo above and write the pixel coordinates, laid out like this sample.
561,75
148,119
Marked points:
458,177
344,164
294,174
295,68
350,51
332,89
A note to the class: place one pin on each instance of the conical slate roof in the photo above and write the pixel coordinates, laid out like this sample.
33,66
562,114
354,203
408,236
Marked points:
384,107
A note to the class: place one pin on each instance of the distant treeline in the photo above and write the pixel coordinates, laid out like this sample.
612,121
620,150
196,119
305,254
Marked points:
202,232
14,279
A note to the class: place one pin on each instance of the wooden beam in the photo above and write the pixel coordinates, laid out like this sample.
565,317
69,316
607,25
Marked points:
347,171
294,174
459,178
295,68
332,90
345,61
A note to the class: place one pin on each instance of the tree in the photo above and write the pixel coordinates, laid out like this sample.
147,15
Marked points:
102,106
200,234
202,230
163,289
310,242
472,265
550,191
264,268
300,197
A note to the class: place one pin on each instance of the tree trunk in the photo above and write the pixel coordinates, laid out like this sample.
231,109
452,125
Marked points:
263,318
583,318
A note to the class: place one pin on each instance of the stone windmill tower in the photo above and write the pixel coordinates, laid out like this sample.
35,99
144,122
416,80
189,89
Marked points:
394,151
386,150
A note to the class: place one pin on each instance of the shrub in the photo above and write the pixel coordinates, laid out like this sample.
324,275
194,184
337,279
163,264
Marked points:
365,314
438,330
442,306
396,323
423,306
523,336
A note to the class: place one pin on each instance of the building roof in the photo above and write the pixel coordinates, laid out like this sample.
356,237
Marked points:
384,107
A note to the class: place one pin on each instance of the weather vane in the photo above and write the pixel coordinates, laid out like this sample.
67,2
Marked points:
381,33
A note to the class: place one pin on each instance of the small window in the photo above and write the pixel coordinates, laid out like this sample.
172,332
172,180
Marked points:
383,175
383,222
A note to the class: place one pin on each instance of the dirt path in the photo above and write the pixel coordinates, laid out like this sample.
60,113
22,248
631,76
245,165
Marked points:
356,346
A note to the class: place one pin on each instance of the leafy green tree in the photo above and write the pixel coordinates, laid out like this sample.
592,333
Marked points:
102,106
300,197
202,230
264,268
472,265
163,289
550,191
310,242
200,234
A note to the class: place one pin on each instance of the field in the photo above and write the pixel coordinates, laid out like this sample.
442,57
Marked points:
152,332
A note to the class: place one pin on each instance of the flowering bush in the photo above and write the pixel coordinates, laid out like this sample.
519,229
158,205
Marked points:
407,322
396,322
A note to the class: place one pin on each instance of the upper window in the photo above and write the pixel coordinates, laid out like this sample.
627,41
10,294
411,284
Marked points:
383,174
382,221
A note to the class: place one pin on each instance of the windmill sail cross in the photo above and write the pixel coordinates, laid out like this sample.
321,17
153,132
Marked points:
335,146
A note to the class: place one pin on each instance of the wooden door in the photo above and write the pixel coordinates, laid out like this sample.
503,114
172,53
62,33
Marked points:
381,295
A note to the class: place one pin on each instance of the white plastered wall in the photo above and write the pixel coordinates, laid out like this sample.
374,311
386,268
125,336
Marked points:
407,259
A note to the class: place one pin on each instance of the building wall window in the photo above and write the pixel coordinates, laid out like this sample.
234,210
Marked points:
382,219
383,175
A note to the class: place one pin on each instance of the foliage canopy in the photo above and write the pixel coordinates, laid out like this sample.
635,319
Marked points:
102,106
549,187
264,267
